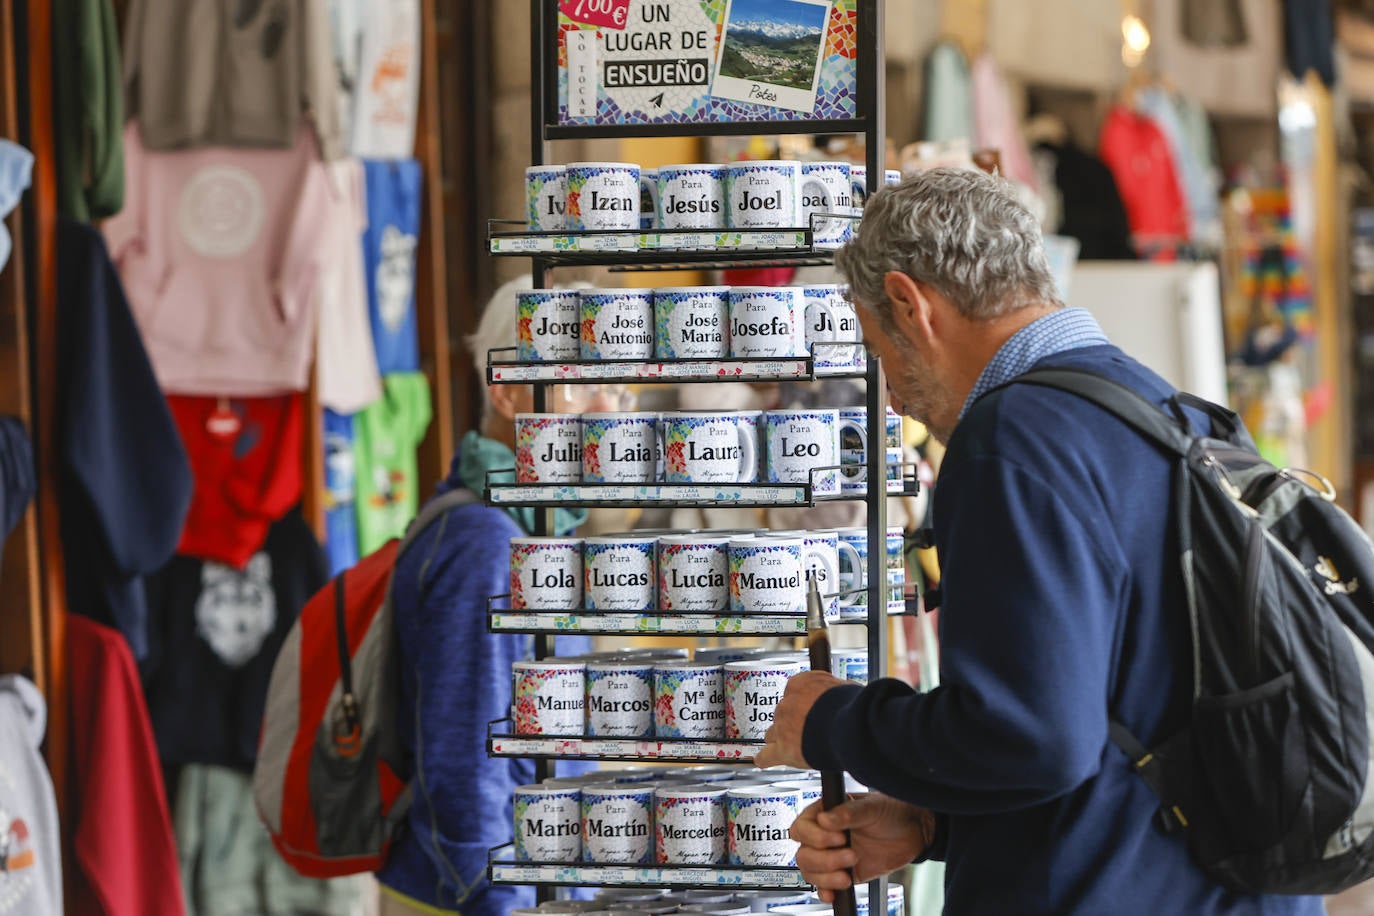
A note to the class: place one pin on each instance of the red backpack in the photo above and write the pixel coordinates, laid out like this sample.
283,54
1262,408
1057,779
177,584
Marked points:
331,781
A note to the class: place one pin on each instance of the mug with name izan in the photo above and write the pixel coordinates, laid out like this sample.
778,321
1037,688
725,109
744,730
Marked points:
603,195
692,197
548,325
767,322
708,448
799,442
617,323
546,198
548,448
692,322
620,448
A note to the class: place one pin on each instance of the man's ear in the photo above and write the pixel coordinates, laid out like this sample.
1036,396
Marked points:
506,399
912,310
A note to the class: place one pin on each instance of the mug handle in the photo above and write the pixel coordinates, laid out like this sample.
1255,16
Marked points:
855,562
826,227
862,430
748,462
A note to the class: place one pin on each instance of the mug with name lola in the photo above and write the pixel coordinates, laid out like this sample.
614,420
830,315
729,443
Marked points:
546,574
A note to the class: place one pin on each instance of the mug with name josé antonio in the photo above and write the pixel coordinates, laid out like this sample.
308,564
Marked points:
617,323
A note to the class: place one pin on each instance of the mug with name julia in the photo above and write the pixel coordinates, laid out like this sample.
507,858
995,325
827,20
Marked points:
767,322
709,448
603,195
617,323
831,319
798,442
548,448
619,573
767,575
692,197
548,325
693,572
620,448
546,198
692,322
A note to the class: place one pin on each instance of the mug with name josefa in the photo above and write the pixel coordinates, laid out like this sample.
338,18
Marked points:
767,321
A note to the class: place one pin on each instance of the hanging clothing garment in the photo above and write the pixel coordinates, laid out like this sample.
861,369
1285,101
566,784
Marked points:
231,73
228,864
949,95
346,373
393,226
1236,80
1137,152
221,251
124,853
30,837
88,110
386,98
16,169
340,485
1204,208
1092,209
1213,23
125,482
1310,39
18,480
347,19
215,634
387,435
246,454
995,123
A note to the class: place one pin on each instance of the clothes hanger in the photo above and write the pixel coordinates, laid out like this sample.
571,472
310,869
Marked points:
1046,128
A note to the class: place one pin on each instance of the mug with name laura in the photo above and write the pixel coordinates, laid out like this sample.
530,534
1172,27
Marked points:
620,448
603,195
709,448
767,321
617,323
799,442
546,574
692,322
548,325
548,448
546,198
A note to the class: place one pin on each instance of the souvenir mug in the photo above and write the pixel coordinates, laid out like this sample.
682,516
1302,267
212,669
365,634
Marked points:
822,551
617,824
767,321
759,822
548,448
753,690
689,700
546,574
618,573
548,325
620,448
708,448
767,575
798,442
692,197
689,823
603,195
648,199
830,318
692,322
546,198
854,449
548,823
827,188
620,699
693,572
855,578
617,323
549,697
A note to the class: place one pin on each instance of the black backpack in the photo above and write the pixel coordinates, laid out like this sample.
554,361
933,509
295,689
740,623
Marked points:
1270,780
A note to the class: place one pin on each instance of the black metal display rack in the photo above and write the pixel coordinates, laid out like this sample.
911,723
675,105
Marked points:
641,251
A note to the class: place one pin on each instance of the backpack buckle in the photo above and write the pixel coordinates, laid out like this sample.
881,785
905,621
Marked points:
1170,820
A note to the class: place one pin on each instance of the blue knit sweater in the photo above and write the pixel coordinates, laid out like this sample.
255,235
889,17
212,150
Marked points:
1063,604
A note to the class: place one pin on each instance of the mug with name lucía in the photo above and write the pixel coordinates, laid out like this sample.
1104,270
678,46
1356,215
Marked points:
619,573
767,575
693,572
831,319
546,574
617,323
620,448
548,448
692,197
546,198
692,322
799,441
603,195
548,325
708,448
826,188
767,322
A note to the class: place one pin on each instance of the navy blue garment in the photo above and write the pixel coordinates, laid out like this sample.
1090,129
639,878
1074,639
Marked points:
1309,37
214,634
1063,603
457,679
340,484
393,226
125,482
18,481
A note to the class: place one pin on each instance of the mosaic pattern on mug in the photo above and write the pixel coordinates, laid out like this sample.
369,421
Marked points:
826,188
620,699
603,195
620,448
753,690
801,441
691,455
830,318
692,197
689,701
693,573
548,325
692,322
619,573
548,824
766,576
617,324
549,698
548,448
763,194
546,198
760,823
689,825
546,574
767,322
617,824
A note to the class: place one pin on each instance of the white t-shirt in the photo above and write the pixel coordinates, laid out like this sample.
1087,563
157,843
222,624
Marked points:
387,94
345,361
30,845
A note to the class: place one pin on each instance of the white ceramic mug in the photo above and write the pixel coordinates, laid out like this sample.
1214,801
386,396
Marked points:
617,323
708,448
549,697
767,575
826,188
548,325
764,194
854,447
693,572
690,824
546,198
830,318
648,199
620,448
760,820
692,322
546,573
767,321
548,823
603,195
692,197
753,690
799,441
620,699
548,448
618,573
821,555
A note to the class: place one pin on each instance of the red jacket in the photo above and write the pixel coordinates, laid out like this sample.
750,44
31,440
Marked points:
1137,152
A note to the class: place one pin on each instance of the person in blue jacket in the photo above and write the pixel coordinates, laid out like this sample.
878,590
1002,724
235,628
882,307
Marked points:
457,676
1063,601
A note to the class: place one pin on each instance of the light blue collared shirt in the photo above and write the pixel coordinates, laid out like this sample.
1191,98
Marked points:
1064,329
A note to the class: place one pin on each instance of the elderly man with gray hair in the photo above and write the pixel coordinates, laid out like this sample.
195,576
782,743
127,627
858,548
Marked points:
1063,602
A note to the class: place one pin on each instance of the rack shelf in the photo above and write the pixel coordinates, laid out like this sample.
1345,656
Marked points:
593,495
700,249
657,623
503,869
783,369
589,747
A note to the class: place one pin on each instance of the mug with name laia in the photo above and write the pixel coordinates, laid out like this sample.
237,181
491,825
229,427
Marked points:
617,323
693,572
692,197
620,448
692,322
548,325
708,448
546,198
767,321
767,575
798,442
546,573
619,573
826,188
830,318
548,448
603,195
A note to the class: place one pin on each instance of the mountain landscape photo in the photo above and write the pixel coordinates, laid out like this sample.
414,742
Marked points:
774,41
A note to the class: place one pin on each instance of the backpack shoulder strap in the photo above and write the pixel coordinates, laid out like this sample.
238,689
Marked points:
1115,398
432,512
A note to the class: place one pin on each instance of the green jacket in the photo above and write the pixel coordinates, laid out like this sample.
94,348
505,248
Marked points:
88,109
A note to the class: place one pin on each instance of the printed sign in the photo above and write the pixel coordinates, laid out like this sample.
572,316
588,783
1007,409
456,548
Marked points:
703,61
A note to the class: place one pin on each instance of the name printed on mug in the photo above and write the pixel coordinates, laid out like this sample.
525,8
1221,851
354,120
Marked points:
696,199
756,202
719,451
608,203
626,329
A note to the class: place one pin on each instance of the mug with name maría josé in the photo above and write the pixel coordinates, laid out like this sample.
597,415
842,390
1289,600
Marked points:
799,442
548,325
692,322
692,197
619,573
831,319
767,322
617,323
603,195
548,448
693,572
546,574
546,198
708,448
620,448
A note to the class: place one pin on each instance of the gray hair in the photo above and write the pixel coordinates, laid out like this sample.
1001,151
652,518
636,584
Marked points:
961,232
